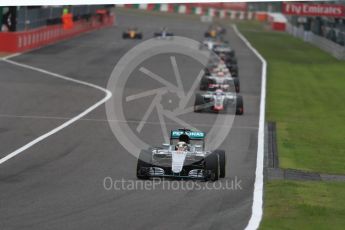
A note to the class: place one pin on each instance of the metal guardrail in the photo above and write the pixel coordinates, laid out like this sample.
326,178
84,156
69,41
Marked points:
334,49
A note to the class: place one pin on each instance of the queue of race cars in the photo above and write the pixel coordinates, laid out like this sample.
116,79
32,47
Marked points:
186,157
221,83
134,33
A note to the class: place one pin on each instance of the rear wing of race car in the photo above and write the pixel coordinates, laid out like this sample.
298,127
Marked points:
193,135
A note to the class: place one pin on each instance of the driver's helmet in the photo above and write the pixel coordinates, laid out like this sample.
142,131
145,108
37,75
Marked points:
181,146
184,138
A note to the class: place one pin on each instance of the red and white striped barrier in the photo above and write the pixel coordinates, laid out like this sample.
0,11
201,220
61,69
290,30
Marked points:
217,10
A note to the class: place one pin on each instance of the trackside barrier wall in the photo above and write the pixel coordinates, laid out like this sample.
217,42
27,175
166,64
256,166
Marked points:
195,9
25,40
334,49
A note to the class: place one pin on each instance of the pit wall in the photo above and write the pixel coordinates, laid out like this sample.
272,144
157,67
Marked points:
13,42
202,9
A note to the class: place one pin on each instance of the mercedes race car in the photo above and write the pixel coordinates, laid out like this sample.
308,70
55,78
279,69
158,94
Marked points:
132,33
164,34
184,157
218,101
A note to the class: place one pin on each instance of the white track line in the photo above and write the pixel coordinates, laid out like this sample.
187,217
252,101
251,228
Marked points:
256,216
108,95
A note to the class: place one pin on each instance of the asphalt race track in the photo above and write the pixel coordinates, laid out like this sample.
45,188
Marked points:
58,183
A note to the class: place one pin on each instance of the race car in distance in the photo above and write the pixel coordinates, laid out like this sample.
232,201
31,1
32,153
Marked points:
225,50
209,43
215,31
218,101
219,80
184,157
132,33
229,62
163,34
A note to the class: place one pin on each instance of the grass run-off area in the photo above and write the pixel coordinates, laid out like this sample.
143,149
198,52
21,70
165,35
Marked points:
304,205
305,96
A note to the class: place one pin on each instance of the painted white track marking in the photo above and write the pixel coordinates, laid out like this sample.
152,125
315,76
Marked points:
256,216
108,95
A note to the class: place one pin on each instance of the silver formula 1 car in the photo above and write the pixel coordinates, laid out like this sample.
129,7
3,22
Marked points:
219,101
184,157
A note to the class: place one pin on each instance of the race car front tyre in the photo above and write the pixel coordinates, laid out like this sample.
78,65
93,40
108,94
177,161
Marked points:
199,103
239,105
212,166
143,165
124,36
222,163
139,36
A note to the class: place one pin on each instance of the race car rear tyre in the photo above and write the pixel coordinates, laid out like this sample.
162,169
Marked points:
199,102
222,163
139,36
212,165
239,105
143,165
124,36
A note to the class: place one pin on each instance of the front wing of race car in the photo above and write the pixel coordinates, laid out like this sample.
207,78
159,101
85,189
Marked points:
196,168
188,172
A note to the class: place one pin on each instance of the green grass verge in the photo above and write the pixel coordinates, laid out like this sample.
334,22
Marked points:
305,96
304,205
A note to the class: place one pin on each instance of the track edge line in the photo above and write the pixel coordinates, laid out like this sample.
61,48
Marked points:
257,207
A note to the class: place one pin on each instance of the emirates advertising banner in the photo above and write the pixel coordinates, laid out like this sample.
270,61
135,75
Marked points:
305,9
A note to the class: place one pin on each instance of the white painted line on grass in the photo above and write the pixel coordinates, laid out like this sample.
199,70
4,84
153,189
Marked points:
256,216
108,95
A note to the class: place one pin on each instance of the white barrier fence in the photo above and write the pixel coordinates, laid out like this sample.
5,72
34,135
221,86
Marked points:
335,49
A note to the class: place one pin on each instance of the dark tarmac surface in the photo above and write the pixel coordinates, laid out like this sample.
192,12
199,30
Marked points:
58,183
